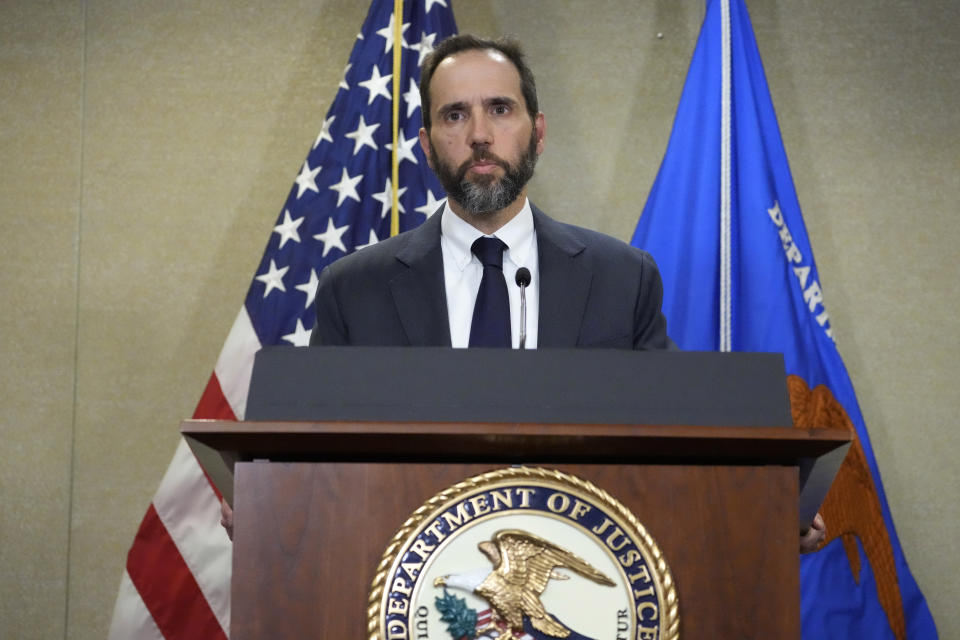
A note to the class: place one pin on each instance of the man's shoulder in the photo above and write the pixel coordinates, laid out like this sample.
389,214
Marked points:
388,253
572,238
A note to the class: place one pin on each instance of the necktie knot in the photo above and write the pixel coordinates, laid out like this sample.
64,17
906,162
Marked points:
489,251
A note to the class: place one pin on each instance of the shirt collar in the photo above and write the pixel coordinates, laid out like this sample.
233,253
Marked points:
459,235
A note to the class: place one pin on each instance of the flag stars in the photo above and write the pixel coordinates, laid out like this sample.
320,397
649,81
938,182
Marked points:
431,206
376,85
343,82
424,47
310,288
288,228
388,31
273,279
385,198
412,97
325,132
363,135
300,336
346,188
405,148
307,180
332,238
373,240
430,3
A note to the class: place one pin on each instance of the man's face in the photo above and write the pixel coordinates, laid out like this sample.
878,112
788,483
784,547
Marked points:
482,144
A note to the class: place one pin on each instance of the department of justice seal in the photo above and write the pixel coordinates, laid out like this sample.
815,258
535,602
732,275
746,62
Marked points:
523,554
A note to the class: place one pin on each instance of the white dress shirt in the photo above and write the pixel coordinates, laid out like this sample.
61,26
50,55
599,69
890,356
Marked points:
462,273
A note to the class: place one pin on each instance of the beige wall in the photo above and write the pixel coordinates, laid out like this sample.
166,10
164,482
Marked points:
147,147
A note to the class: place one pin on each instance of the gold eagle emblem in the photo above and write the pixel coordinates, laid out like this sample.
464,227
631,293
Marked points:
523,564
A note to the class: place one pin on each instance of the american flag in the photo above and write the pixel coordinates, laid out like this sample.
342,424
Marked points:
177,579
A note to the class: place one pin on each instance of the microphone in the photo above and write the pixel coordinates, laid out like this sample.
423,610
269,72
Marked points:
523,277
523,281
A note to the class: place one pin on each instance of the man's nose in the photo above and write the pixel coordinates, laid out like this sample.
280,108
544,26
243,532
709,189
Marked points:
481,131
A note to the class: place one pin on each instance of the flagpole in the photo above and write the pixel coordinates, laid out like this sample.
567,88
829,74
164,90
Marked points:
725,192
394,155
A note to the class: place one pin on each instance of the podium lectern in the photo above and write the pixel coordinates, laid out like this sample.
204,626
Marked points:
317,501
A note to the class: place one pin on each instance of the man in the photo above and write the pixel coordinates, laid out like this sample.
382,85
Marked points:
482,133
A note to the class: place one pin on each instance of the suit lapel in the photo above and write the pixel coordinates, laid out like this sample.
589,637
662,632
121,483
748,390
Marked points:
418,290
564,283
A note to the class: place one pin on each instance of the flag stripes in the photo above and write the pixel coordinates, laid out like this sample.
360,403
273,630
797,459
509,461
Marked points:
131,618
166,585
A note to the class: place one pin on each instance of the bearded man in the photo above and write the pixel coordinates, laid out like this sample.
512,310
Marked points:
482,134
450,282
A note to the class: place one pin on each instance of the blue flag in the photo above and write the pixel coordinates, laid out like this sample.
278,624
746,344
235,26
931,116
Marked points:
342,198
724,223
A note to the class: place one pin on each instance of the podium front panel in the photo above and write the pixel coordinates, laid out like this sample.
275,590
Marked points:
309,537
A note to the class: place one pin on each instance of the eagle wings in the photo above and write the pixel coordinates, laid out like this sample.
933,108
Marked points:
523,564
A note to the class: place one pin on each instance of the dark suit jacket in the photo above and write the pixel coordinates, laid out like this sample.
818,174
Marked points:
595,291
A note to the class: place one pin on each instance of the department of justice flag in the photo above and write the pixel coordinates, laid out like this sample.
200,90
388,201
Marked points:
724,224
177,579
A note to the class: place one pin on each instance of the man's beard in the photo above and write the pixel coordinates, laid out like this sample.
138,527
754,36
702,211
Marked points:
488,193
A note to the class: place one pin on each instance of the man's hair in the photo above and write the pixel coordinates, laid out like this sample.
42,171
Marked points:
466,42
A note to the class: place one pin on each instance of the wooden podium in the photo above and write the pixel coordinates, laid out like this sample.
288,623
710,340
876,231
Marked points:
317,502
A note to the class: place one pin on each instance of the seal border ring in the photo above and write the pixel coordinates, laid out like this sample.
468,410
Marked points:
670,613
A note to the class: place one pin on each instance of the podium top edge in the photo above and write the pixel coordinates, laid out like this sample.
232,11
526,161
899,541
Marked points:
231,434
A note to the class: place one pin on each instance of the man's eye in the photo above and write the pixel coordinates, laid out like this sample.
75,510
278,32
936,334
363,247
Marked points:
501,109
454,116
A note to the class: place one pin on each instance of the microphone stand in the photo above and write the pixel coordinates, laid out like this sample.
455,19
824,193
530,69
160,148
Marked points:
523,280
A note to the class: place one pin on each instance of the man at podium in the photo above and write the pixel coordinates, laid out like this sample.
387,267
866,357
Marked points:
489,269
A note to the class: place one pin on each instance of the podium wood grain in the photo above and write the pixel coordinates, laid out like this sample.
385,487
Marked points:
309,537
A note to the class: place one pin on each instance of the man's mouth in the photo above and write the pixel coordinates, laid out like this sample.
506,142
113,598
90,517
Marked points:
483,166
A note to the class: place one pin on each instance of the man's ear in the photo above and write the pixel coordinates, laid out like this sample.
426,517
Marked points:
425,145
540,126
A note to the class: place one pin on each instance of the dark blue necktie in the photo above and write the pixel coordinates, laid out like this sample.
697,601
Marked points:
491,312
